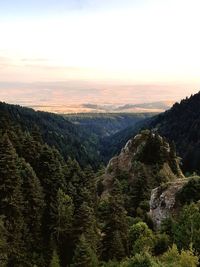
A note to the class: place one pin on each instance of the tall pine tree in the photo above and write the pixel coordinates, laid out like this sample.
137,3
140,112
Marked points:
11,202
84,255
115,231
50,172
32,212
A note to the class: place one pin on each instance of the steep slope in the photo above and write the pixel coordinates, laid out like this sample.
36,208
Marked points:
111,145
182,125
146,161
71,140
163,202
169,199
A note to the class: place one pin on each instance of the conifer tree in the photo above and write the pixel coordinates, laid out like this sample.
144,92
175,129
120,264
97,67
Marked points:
31,150
187,228
84,255
85,223
139,191
36,134
115,231
5,122
74,181
16,136
62,232
33,210
64,210
90,194
3,244
11,201
51,176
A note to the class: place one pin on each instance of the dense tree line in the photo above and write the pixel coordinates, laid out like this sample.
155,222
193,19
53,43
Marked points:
70,140
181,124
47,204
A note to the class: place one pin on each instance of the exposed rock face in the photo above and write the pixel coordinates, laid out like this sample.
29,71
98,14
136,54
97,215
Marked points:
163,201
148,155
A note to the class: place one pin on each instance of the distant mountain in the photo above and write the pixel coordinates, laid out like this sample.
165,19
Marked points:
148,107
104,108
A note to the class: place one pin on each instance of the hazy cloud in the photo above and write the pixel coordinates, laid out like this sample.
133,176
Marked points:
95,93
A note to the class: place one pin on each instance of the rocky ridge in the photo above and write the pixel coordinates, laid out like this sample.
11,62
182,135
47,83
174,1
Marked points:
147,154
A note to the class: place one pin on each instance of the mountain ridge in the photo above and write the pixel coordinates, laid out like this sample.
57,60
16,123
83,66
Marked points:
180,124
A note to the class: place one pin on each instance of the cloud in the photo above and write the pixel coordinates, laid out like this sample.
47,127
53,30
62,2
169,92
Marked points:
95,93
35,60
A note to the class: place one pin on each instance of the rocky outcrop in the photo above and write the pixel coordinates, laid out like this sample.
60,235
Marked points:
163,201
148,155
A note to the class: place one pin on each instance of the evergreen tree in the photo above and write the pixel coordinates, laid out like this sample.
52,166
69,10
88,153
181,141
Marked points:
3,244
81,187
36,134
64,211
187,228
33,211
31,150
84,255
74,181
11,201
115,231
5,122
90,195
51,176
16,136
85,223
139,191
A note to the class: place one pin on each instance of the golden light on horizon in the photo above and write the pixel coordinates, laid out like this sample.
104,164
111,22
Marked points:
126,43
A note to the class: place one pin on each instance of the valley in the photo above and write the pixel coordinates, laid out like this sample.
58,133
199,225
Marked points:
99,189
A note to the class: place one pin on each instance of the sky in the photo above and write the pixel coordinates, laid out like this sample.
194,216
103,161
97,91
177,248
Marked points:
117,46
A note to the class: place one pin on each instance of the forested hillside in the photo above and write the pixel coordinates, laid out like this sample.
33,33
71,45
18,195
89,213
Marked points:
180,124
71,140
41,194
78,136
107,124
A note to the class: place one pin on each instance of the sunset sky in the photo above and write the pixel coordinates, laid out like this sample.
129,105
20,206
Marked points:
83,49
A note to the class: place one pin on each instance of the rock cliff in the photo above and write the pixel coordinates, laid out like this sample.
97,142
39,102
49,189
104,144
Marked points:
147,155
163,201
